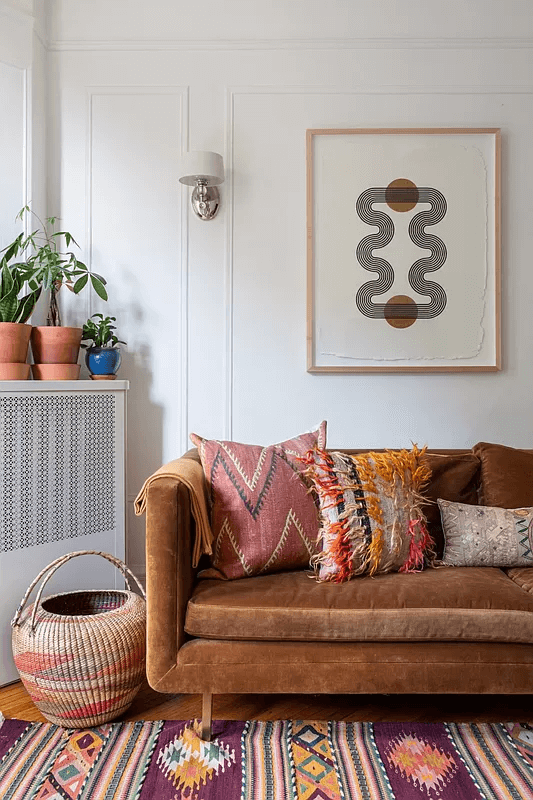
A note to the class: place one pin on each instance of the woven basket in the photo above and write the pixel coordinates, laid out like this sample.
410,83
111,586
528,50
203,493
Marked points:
81,654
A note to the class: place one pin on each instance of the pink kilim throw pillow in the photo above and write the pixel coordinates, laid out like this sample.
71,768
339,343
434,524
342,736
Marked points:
263,516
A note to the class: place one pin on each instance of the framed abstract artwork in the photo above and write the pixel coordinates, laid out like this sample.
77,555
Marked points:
403,247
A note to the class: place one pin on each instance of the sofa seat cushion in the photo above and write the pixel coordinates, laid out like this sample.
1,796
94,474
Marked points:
447,604
523,576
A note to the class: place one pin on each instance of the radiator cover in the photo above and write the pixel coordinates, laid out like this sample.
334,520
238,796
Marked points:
62,487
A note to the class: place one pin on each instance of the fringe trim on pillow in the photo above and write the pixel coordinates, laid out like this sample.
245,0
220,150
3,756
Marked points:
420,541
349,541
401,476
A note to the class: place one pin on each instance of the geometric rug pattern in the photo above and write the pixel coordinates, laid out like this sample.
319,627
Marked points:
278,760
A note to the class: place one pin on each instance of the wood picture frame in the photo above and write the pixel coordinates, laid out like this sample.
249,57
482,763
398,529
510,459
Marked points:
371,194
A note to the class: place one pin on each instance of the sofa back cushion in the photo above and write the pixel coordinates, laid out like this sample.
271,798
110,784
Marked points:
506,475
454,477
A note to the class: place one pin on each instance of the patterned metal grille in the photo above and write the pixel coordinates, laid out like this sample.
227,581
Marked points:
57,467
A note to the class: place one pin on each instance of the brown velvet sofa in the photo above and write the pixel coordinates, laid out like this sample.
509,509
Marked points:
446,630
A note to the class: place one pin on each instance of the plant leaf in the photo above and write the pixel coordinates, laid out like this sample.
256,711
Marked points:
23,211
8,308
12,249
7,281
47,279
98,287
80,283
26,305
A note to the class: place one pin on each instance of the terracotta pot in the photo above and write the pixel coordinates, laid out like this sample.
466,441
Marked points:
55,372
14,372
55,345
14,340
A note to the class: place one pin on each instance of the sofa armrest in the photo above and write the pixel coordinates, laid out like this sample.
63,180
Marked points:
175,501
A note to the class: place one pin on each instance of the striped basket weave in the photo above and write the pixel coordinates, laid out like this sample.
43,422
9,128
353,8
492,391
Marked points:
81,654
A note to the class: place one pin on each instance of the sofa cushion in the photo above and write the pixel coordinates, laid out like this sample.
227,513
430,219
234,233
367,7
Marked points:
487,536
264,518
446,604
371,519
454,477
506,475
523,576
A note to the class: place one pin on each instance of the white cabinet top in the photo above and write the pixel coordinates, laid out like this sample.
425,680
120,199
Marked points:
64,386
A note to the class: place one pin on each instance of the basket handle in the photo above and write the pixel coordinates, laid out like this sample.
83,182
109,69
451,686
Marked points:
48,571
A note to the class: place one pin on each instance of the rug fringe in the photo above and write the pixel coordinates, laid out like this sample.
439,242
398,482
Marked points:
2,719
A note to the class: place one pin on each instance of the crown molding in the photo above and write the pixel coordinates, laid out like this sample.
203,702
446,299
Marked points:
395,43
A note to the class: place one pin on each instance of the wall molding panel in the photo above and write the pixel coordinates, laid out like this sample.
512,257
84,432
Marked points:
182,92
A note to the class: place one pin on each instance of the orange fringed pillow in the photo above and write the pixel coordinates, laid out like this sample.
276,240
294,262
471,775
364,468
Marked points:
371,513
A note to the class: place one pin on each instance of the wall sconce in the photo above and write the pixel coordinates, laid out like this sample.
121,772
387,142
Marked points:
205,171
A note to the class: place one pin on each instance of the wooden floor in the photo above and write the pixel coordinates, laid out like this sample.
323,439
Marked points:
149,705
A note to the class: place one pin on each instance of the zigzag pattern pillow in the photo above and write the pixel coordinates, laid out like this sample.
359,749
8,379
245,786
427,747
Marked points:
263,517
371,516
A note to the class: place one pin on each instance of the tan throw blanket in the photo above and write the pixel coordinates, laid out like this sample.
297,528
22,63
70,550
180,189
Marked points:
188,472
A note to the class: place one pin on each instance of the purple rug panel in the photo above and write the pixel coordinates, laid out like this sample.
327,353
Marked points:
185,767
9,733
420,759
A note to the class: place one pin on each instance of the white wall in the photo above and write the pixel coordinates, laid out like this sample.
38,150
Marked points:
214,313
23,92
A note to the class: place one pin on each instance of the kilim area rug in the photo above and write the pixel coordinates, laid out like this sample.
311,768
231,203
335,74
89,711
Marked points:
282,760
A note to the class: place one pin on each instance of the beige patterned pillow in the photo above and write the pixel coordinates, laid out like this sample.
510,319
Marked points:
485,536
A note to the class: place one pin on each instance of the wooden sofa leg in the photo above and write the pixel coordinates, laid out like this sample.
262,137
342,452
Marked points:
207,713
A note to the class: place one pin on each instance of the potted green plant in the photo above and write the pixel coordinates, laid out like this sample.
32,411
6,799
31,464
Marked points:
103,356
15,310
48,265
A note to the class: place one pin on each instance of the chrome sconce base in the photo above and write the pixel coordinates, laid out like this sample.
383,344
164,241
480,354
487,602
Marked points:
205,201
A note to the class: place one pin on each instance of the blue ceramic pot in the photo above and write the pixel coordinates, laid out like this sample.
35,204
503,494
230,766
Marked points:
103,360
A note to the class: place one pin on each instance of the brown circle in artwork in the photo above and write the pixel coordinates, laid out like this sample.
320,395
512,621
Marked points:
401,195
401,311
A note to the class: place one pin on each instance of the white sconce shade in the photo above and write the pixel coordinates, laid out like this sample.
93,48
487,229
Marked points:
205,171
202,165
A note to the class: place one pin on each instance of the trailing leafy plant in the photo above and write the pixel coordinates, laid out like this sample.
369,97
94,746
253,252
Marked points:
101,332
46,266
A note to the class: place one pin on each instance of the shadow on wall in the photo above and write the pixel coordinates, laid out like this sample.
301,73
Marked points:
144,444
145,418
